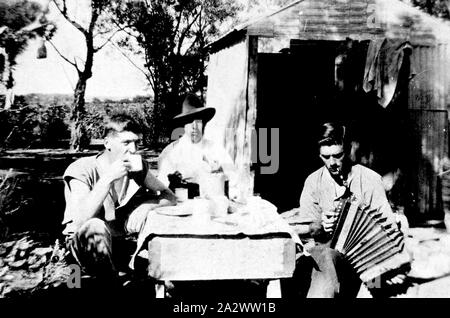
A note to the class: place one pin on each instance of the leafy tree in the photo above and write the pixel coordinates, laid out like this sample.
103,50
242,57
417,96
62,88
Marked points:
171,36
20,22
97,33
439,8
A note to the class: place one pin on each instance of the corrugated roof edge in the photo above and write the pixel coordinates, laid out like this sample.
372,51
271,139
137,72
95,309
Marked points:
235,33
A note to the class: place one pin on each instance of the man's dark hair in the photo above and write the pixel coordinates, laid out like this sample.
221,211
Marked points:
121,122
332,133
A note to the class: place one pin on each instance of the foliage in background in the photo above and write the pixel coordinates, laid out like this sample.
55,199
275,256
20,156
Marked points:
141,111
171,36
35,199
33,125
439,8
43,121
11,200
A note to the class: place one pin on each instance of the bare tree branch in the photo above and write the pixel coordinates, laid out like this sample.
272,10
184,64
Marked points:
94,17
189,49
101,33
74,63
107,40
131,61
187,29
198,36
124,29
152,78
64,7
63,11
177,29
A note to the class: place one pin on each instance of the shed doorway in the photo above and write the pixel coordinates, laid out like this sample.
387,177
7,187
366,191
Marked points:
297,91
291,97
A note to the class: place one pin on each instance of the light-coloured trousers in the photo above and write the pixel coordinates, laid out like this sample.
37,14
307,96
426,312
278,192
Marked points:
324,274
92,244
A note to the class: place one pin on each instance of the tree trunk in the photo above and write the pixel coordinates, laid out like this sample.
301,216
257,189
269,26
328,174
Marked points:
78,134
9,85
156,126
9,98
78,139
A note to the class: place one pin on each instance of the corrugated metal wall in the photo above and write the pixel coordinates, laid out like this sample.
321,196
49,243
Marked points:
358,19
430,86
430,60
321,20
428,103
428,149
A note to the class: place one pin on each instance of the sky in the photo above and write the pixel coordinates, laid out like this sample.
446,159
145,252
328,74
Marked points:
113,75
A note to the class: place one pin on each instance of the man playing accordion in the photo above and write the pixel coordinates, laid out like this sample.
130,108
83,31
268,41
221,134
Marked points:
326,273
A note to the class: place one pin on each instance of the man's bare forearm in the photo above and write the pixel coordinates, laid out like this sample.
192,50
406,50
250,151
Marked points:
167,197
302,229
91,205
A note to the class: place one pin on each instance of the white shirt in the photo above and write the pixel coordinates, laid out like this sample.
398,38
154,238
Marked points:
194,160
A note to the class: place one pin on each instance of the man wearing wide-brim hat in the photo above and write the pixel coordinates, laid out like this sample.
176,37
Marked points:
192,157
192,109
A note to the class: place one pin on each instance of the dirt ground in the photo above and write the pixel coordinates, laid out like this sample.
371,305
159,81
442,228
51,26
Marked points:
34,264
430,267
30,262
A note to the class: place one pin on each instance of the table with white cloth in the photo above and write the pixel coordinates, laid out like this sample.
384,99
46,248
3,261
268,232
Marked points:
252,243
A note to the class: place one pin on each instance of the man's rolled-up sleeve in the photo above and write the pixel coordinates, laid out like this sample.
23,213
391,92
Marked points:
306,219
309,209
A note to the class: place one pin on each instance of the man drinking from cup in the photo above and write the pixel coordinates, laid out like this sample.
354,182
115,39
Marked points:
107,195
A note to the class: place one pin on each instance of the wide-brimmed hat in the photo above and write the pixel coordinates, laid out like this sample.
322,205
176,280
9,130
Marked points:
193,108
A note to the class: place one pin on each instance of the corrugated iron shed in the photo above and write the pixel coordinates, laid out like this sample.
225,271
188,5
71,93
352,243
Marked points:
338,20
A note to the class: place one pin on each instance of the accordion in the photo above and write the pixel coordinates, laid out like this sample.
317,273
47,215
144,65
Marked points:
372,246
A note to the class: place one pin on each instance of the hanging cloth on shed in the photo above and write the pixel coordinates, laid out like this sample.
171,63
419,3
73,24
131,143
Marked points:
383,63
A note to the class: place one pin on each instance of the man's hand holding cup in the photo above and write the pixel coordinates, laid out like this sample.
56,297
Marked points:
121,167
135,162
117,170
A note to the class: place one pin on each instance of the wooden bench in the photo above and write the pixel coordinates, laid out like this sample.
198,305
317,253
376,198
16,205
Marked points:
96,144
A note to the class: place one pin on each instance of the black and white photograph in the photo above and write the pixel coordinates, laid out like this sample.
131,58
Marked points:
224,156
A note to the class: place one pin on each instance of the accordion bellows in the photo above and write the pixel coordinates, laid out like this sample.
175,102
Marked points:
371,245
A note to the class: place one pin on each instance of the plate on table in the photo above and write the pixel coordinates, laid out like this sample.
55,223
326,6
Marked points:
176,210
